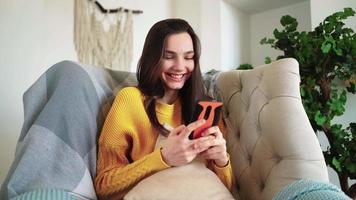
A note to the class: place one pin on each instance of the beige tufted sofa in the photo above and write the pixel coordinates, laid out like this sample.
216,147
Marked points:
270,139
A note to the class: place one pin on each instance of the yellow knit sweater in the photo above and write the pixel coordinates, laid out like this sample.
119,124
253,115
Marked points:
127,152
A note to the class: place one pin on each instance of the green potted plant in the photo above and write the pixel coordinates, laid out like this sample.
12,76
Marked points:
327,61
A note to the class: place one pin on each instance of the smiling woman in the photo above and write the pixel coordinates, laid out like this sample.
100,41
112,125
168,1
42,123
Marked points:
134,145
169,44
177,64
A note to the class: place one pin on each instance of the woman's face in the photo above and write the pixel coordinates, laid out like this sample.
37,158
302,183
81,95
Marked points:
177,63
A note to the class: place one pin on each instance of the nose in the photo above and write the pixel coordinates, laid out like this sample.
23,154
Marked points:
180,63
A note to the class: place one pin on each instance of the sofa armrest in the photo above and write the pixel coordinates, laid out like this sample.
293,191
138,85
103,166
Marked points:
270,139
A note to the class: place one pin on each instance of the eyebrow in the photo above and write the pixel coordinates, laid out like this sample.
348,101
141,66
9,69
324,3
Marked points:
172,52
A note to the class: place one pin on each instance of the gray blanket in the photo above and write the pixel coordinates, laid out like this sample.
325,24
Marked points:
64,110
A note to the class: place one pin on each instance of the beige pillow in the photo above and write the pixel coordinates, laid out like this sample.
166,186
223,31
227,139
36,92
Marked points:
192,181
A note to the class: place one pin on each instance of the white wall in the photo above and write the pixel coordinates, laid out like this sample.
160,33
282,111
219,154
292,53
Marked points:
222,29
204,17
190,11
320,9
35,35
210,34
235,37
263,25
153,11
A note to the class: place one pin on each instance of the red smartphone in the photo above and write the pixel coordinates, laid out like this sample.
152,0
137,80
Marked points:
208,110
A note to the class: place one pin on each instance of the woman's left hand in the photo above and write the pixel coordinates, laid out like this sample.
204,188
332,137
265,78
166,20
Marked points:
216,147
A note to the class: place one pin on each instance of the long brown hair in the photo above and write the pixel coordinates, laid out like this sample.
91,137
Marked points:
148,70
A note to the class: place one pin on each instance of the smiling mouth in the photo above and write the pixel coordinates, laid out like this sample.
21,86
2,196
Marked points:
176,77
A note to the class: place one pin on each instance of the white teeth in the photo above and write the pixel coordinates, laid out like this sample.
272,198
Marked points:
176,75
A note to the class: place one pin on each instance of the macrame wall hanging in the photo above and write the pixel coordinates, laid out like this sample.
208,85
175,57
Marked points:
103,37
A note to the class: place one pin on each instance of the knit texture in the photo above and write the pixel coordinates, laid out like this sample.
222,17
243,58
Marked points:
45,194
311,190
127,152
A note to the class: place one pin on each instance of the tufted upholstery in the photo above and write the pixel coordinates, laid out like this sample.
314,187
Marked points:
270,140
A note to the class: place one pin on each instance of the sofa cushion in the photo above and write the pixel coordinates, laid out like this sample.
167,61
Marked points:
192,181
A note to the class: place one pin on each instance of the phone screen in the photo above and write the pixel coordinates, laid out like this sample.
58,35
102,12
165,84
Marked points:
208,110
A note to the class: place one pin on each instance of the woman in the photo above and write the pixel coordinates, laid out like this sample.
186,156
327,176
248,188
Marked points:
169,84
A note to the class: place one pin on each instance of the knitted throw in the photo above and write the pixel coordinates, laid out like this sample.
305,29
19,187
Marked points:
310,190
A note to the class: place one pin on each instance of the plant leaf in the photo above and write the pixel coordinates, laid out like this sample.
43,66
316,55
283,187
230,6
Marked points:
302,92
325,47
349,12
319,118
336,164
338,51
268,60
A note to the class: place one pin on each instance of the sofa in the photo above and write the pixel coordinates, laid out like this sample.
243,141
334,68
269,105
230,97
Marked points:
270,141
269,134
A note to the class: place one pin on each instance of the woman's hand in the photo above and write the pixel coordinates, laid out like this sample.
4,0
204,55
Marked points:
178,149
216,148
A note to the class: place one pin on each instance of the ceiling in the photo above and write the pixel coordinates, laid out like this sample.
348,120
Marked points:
256,6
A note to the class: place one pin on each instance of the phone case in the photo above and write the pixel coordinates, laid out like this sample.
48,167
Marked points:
208,110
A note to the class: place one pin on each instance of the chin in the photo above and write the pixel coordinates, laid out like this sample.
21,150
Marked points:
176,87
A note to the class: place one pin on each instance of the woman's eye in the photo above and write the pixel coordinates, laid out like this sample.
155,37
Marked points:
189,58
168,57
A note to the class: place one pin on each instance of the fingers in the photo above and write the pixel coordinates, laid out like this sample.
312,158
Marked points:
211,152
201,144
215,148
206,142
214,130
191,127
175,131
217,154
213,138
194,147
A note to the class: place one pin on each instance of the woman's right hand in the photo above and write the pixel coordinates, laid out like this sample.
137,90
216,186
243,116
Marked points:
178,149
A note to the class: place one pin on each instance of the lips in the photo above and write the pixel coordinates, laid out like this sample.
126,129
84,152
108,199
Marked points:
175,77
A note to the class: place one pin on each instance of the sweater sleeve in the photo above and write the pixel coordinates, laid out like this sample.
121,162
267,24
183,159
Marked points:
116,173
224,173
